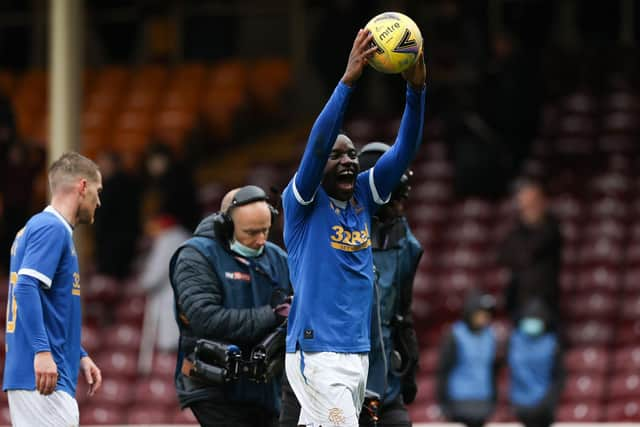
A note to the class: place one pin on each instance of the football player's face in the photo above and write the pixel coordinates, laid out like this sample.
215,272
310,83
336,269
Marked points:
341,169
90,200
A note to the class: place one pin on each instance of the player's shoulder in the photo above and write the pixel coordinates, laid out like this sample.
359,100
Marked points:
46,222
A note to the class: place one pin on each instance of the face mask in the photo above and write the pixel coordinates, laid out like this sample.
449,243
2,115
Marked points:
531,326
246,251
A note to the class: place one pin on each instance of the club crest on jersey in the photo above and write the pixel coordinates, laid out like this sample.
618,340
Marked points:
237,275
349,240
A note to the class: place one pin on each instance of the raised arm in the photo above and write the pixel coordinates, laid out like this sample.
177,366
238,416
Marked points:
393,163
325,129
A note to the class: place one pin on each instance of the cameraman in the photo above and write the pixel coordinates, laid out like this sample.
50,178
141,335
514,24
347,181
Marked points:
393,358
232,287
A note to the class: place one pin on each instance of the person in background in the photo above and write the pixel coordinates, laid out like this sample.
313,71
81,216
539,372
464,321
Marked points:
159,331
231,286
534,357
44,318
117,230
532,252
467,370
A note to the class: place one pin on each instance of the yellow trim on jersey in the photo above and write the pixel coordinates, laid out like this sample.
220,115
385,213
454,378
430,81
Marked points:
350,248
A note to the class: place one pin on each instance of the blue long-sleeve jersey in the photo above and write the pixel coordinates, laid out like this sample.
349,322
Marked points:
330,259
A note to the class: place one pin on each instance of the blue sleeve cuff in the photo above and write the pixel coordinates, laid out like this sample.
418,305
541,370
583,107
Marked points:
83,352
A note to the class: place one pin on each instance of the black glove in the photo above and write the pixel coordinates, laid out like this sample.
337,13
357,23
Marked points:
280,303
409,389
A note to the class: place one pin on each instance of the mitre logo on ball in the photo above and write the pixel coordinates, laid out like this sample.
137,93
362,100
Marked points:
398,41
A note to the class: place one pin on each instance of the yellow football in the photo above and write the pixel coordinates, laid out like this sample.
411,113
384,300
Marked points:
398,40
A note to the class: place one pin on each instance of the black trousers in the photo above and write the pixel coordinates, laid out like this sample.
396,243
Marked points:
394,414
216,414
471,413
539,416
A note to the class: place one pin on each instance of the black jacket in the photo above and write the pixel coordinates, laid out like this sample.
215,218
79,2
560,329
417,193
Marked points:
202,313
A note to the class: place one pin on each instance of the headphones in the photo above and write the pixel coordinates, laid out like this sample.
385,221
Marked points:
373,151
222,222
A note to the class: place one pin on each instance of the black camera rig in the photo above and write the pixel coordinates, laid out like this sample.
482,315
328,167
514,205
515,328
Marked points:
218,362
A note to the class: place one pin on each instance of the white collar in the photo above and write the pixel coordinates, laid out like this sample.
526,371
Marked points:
52,210
342,204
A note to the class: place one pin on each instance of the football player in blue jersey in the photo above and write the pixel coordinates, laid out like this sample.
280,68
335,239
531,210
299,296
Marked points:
44,319
328,207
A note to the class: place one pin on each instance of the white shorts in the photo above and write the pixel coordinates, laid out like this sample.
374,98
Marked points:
29,408
329,386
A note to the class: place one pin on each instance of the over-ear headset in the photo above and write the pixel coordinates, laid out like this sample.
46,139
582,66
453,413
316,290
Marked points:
369,155
222,222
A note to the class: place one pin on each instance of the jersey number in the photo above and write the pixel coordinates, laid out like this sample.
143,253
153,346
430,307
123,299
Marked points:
12,306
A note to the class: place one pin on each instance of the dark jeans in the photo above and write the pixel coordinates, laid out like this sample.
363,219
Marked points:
391,415
216,414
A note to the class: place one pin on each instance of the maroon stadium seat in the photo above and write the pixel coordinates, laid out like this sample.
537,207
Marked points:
131,310
583,412
624,385
101,414
591,305
118,363
592,332
115,392
164,365
156,390
90,339
627,359
154,414
598,278
425,413
584,387
631,306
426,388
624,410
587,360
124,337
627,333
502,414
5,415
429,361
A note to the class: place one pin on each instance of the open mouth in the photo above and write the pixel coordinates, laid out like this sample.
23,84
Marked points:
346,179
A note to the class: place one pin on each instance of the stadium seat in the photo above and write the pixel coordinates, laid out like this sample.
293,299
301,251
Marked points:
502,414
620,122
156,391
624,385
591,305
5,415
131,310
606,229
164,365
616,144
627,359
601,278
582,412
425,413
630,306
624,411
567,207
118,363
90,339
141,99
153,414
428,361
627,333
621,101
587,360
123,337
101,414
595,333
114,392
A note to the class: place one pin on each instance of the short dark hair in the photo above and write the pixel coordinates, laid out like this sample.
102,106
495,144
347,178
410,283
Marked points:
71,165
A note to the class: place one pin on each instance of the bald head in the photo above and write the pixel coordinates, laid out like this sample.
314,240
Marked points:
228,199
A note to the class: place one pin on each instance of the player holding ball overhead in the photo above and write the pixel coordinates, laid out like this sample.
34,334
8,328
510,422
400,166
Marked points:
328,206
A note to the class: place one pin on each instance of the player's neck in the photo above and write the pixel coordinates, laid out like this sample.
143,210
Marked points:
66,208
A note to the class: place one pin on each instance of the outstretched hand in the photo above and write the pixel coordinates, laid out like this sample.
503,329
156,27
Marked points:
416,75
359,57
